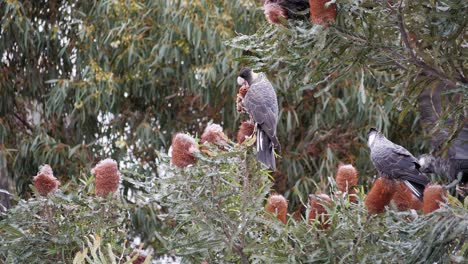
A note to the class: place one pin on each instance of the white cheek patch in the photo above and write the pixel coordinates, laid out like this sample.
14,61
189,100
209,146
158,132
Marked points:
371,139
240,80
254,75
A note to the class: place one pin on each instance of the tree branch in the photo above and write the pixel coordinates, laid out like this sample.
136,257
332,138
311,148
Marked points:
427,69
26,124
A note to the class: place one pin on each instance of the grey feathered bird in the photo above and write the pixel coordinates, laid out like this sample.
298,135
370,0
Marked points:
261,104
447,161
395,162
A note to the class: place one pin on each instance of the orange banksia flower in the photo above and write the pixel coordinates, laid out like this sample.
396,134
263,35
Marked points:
274,13
347,177
403,197
320,14
434,194
183,147
380,195
246,129
213,134
318,209
107,177
277,205
44,181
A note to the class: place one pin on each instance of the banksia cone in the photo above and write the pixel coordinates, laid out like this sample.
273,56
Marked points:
346,178
240,96
403,197
213,134
433,195
320,14
183,147
107,177
277,205
44,181
246,129
318,209
380,195
274,13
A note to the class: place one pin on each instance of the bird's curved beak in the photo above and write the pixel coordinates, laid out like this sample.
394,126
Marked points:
240,80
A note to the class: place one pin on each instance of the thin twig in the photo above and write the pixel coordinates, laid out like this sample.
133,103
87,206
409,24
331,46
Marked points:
26,124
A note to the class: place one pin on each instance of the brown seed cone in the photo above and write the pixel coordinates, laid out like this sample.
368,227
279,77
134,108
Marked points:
346,177
321,15
380,195
107,177
416,204
213,134
246,129
45,182
352,195
240,96
273,13
183,147
277,205
403,197
433,195
318,209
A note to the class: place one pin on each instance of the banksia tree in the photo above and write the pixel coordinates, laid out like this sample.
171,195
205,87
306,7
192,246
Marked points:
320,13
107,177
183,147
434,194
44,181
246,129
346,178
318,211
380,195
277,206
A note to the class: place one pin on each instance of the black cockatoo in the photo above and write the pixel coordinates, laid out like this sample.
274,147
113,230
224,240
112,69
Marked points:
395,162
261,104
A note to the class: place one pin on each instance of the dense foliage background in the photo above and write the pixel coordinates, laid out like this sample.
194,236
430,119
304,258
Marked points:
81,81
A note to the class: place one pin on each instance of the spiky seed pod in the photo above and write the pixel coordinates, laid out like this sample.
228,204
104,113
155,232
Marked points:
246,129
107,177
318,209
240,96
434,194
183,147
403,197
44,181
380,195
320,14
274,13
347,177
277,205
213,134
416,204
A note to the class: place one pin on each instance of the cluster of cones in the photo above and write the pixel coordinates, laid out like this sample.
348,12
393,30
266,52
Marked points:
381,194
320,13
184,146
384,191
320,203
106,182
